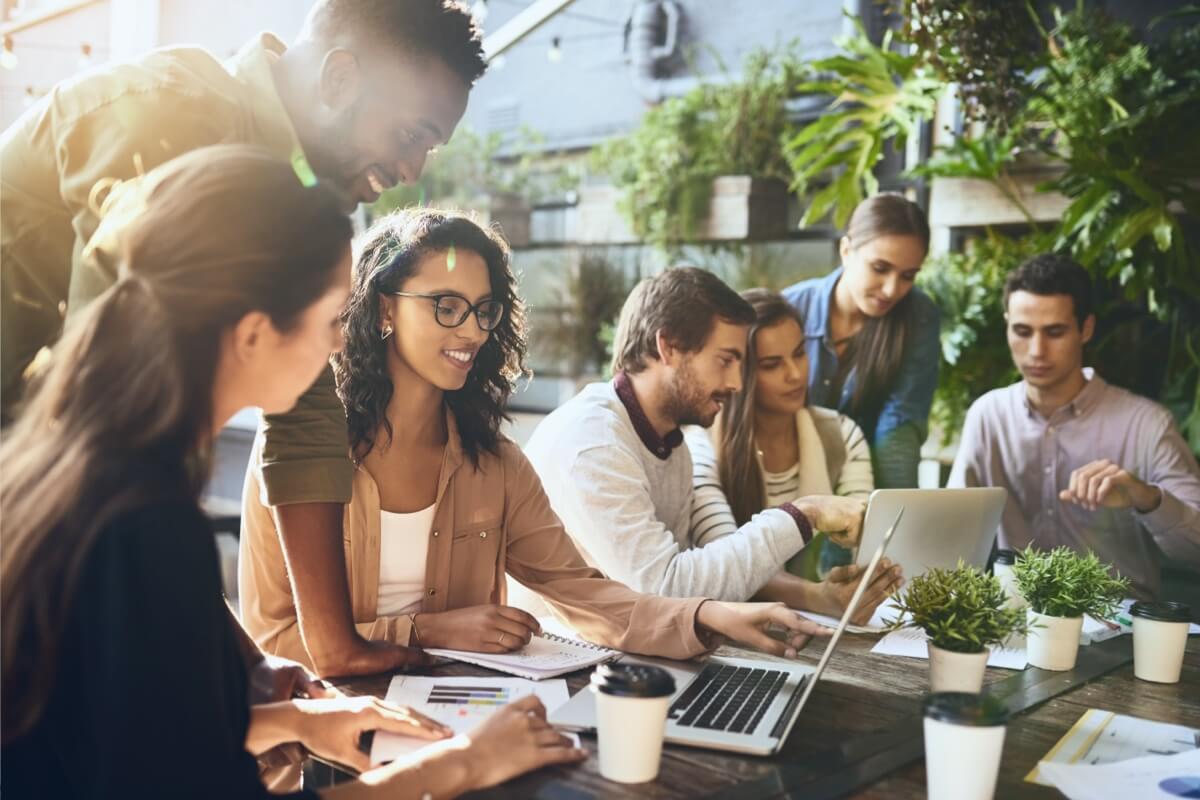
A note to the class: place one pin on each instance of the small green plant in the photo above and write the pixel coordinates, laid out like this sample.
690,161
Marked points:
1062,583
961,610
665,168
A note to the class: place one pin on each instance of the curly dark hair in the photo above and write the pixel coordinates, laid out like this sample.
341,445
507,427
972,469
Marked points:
389,253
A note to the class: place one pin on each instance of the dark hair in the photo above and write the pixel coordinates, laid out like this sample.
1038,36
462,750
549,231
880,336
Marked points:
737,449
442,29
124,413
880,347
390,252
1051,273
684,303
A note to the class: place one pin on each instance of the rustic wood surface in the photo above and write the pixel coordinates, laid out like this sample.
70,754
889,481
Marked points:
860,694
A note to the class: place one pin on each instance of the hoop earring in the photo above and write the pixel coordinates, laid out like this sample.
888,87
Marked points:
386,332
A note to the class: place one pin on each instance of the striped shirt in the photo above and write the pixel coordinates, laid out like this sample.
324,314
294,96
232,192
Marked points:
711,515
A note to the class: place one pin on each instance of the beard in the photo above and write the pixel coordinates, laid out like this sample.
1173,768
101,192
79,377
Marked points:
687,401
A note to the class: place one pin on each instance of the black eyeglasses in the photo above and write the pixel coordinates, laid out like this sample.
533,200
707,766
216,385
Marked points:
452,310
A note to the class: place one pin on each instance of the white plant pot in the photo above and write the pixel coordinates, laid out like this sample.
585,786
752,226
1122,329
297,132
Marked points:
956,672
1053,642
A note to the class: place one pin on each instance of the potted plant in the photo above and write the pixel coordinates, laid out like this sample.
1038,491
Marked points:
963,612
1061,586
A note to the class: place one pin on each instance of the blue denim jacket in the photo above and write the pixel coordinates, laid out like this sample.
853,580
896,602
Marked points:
911,394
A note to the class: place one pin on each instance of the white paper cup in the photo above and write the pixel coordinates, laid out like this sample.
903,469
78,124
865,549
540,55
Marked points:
1160,632
1053,642
631,717
964,739
1002,568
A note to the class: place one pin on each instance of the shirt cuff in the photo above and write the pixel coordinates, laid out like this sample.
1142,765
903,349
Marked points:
1170,513
806,531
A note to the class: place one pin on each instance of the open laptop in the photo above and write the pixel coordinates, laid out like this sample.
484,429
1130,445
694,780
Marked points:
941,526
738,704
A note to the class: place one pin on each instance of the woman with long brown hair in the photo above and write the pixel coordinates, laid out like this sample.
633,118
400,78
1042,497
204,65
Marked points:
872,337
444,505
769,446
120,662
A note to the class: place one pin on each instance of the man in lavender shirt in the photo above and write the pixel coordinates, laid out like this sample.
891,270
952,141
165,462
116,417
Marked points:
1086,464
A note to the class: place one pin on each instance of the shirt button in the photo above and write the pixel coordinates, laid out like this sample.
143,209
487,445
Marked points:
432,592
483,534
435,534
827,381
1050,430
1049,470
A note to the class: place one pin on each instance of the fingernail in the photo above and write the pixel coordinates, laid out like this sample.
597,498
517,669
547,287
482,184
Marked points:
790,653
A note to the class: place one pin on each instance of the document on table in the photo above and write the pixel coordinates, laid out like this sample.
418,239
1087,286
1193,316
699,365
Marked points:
459,703
1167,777
912,643
1102,737
877,624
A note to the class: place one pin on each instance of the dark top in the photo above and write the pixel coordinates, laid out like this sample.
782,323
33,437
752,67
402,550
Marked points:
150,695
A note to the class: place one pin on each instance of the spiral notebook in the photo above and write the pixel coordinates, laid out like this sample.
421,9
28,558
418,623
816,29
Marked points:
546,656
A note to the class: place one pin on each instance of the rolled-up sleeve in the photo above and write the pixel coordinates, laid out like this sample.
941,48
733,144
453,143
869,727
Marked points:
1175,524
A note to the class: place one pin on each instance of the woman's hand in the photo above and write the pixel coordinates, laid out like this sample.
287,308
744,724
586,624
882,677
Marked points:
332,728
841,518
748,623
840,584
483,629
515,740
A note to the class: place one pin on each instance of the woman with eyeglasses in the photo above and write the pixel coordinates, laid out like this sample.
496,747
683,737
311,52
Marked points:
443,504
769,447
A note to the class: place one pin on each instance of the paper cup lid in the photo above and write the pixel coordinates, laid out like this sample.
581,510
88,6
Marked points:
961,708
633,680
1006,556
1162,611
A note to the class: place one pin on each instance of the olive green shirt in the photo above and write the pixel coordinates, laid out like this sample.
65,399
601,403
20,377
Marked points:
59,160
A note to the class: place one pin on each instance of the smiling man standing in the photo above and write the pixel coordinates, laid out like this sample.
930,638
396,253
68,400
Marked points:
361,97
1087,465
615,466
358,101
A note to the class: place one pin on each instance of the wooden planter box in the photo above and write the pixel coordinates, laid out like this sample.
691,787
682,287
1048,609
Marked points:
969,202
511,213
742,208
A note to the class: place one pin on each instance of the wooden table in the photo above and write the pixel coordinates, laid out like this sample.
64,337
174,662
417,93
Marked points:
863,723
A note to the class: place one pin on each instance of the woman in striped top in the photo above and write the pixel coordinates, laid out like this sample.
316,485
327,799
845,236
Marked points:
768,448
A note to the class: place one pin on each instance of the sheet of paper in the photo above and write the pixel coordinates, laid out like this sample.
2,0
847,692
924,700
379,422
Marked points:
913,644
1102,737
460,703
1147,778
884,613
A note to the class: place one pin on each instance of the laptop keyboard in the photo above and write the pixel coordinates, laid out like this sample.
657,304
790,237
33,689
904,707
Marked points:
727,698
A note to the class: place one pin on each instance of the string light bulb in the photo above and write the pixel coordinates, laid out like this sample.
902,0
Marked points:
555,53
85,55
8,58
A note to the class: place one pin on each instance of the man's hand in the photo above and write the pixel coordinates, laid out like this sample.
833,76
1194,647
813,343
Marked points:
274,679
748,623
1103,484
839,586
840,518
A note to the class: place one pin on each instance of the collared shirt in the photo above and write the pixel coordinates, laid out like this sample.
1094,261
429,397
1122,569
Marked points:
911,394
110,125
1007,443
660,446
488,520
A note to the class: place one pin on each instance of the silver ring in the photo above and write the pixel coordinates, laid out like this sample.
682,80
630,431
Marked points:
500,641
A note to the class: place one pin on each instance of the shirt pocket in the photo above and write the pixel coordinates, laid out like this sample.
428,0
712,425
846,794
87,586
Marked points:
475,562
